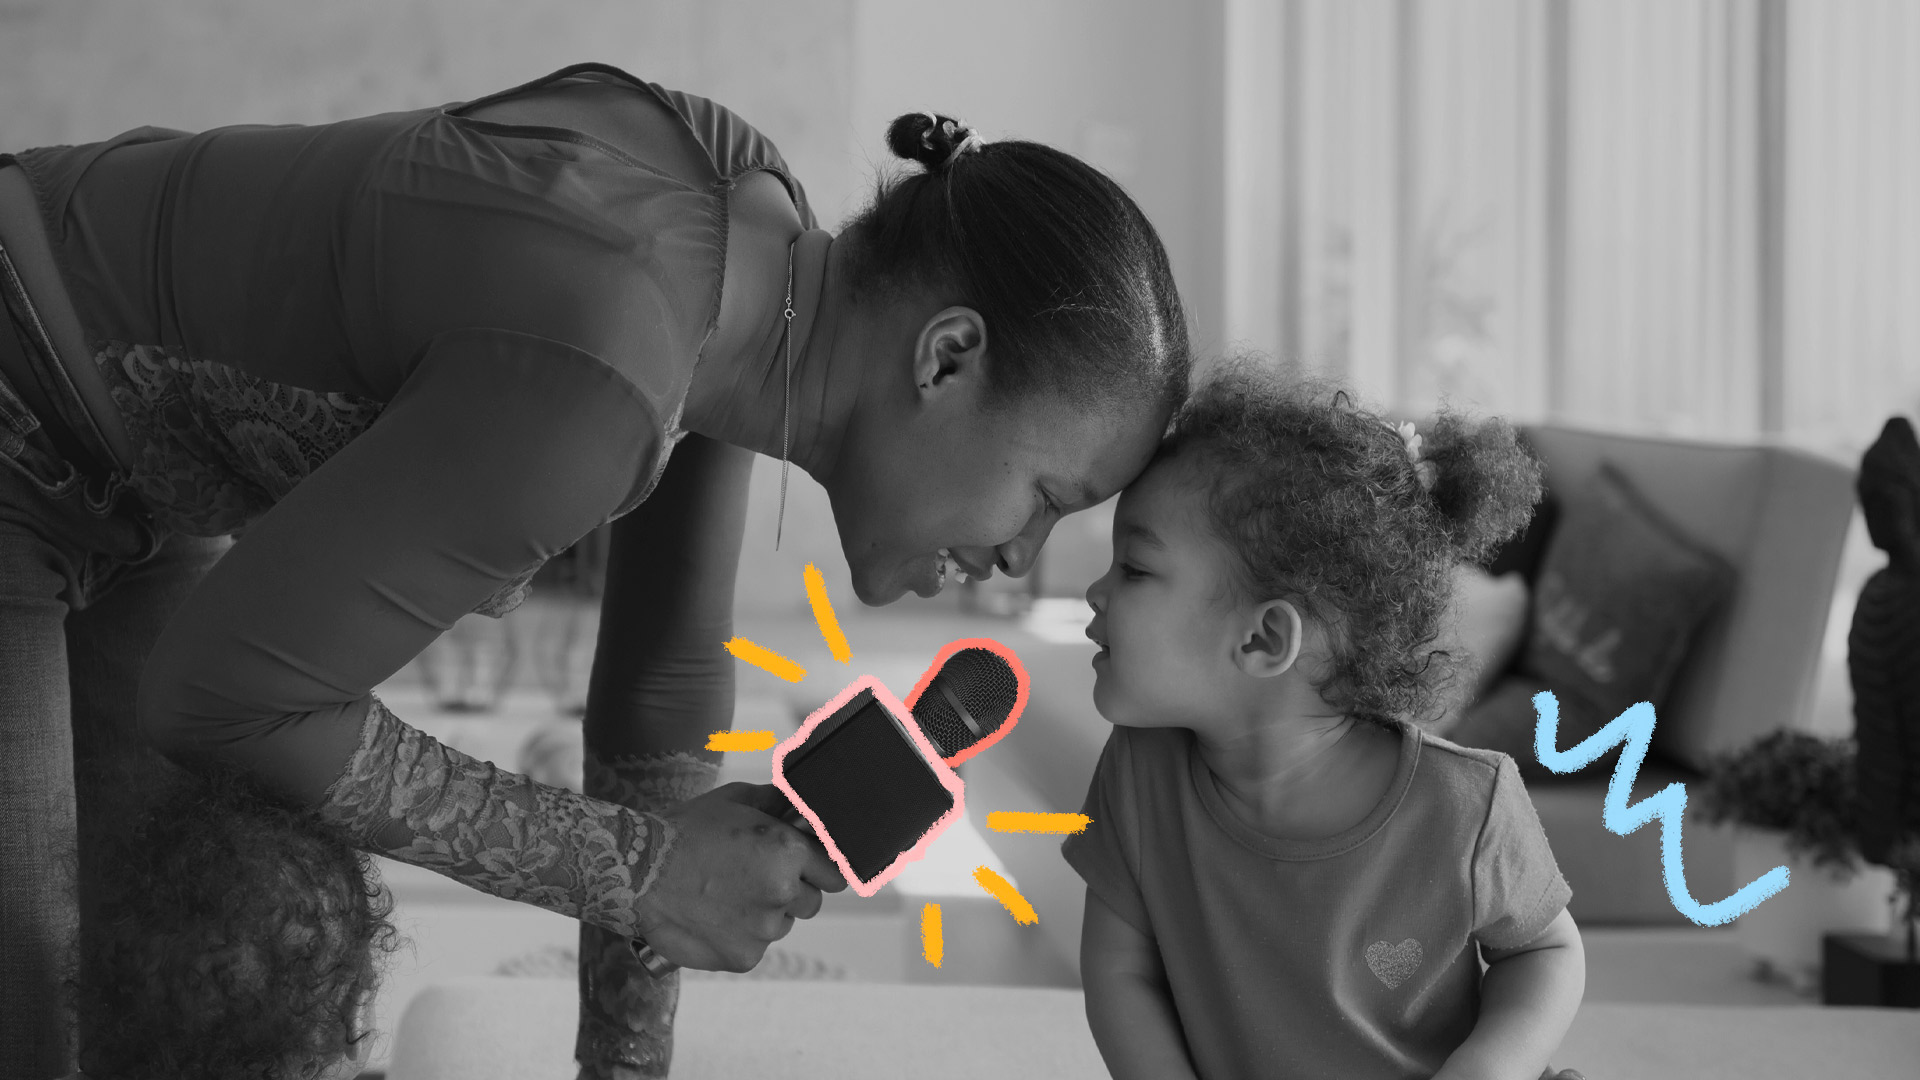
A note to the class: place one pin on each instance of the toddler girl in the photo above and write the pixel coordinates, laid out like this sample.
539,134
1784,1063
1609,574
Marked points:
1286,876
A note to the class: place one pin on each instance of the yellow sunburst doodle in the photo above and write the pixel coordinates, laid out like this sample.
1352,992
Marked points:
823,615
1021,821
766,660
1002,890
930,944
741,742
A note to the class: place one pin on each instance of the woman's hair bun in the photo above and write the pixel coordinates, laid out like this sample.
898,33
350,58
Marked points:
927,138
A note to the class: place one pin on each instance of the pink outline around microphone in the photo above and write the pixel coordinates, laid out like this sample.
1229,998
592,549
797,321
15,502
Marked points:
942,768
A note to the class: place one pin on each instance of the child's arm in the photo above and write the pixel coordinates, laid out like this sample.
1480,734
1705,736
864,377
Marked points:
1129,1006
1527,1000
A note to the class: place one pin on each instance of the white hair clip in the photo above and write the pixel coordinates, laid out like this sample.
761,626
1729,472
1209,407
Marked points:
970,141
973,141
1423,470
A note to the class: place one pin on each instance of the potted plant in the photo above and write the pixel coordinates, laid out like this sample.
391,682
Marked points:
1792,799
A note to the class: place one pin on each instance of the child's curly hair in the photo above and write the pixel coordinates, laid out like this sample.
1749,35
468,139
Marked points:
1321,505
227,937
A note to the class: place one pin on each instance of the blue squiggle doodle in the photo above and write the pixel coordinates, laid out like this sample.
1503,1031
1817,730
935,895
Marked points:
1632,731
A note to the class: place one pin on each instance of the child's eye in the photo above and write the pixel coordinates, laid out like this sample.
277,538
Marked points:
1130,571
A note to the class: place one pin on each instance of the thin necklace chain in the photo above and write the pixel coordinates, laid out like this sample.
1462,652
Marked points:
786,410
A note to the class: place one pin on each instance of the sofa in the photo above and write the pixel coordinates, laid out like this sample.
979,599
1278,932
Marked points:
1778,515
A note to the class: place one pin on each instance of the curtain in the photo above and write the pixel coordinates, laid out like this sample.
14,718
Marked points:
1689,217
1851,322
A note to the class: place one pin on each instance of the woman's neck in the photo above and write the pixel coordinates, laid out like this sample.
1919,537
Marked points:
740,395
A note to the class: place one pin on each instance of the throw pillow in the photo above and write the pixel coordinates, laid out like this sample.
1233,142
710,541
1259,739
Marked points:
1620,594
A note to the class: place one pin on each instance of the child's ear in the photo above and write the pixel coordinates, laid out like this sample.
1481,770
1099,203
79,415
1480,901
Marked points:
1272,644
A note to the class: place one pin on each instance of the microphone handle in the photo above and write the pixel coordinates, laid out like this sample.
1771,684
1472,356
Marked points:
659,966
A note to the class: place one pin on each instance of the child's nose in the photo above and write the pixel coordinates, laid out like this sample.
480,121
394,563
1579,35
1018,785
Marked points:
1095,595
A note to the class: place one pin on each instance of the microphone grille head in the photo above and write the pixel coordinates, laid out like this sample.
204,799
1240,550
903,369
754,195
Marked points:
982,683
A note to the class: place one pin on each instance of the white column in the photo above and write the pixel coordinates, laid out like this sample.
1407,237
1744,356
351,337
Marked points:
1852,193
1479,293
1256,155
1662,217
1378,222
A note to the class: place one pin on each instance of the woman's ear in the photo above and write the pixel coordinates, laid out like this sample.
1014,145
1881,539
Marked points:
951,349
1272,644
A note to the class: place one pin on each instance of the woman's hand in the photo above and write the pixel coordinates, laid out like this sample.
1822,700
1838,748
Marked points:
736,878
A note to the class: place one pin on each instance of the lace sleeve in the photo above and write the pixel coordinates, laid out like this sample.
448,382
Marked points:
407,796
626,1015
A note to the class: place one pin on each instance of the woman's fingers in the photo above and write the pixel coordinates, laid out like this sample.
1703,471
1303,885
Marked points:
734,881
762,797
820,872
807,904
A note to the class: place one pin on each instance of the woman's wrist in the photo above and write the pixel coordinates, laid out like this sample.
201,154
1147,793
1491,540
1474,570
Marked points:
648,781
406,795
626,1013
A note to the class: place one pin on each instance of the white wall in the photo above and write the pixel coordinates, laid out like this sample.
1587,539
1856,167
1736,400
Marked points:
1135,86
77,70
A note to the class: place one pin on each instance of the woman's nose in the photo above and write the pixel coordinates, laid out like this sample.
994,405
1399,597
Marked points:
1016,557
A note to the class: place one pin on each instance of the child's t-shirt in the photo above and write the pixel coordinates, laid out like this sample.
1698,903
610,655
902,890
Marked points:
1351,956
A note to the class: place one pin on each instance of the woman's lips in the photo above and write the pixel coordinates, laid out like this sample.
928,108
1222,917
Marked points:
929,582
965,571
940,566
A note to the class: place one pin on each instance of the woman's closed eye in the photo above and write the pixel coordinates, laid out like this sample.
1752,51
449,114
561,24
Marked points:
1049,508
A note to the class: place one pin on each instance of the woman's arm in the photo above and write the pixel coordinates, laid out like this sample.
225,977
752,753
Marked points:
500,450
662,682
1129,1005
662,678
1527,1000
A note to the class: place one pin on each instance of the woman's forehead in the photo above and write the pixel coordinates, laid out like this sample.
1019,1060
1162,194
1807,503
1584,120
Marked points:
1098,453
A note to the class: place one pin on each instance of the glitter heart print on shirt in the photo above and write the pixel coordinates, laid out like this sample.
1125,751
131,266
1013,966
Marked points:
1392,964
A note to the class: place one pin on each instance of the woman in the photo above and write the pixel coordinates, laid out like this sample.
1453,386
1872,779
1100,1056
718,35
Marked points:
410,357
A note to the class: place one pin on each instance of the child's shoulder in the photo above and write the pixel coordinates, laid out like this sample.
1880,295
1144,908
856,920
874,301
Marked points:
1466,773
1470,757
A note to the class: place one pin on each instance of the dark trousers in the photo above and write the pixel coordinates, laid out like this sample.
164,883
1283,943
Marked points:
87,582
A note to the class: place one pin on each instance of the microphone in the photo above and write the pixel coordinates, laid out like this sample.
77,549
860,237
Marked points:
969,698
873,778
